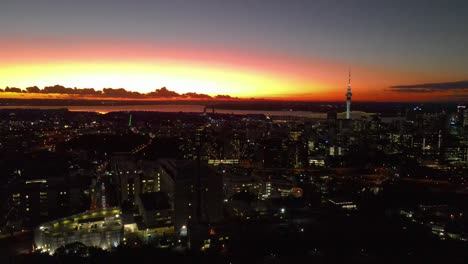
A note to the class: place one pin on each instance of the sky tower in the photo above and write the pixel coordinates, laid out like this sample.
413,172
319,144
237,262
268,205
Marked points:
348,98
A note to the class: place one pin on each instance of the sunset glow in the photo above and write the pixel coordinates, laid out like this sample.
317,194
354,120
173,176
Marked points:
145,67
263,49
145,77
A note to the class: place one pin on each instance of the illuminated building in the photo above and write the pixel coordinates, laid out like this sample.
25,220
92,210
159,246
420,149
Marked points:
197,191
124,170
35,200
275,187
155,209
343,203
135,177
267,189
98,228
216,162
460,115
237,180
317,161
103,196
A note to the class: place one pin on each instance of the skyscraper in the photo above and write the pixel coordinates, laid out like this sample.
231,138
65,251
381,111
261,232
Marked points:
348,98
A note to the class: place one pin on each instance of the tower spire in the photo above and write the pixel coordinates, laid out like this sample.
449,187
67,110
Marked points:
349,80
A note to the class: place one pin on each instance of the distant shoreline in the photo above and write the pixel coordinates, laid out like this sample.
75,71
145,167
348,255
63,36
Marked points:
164,108
255,105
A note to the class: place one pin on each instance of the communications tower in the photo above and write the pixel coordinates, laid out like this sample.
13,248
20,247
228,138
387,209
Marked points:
348,98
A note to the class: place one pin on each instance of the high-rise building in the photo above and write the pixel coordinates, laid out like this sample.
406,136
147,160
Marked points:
348,98
197,191
460,115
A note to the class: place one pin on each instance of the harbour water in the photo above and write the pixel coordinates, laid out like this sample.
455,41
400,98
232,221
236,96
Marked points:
103,109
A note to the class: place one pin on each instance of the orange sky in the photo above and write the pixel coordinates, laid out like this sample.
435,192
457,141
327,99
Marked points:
144,67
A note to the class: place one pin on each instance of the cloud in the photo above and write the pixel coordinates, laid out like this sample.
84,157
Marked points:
411,90
459,96
163,92
460,86
112,92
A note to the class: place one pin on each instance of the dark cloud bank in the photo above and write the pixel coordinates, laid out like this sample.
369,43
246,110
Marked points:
112,92
459,86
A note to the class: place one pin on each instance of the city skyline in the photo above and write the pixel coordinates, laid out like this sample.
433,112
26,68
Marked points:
233,131
261,49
